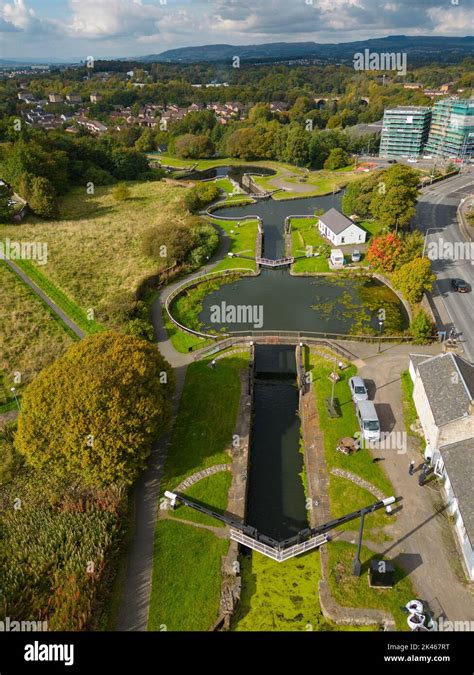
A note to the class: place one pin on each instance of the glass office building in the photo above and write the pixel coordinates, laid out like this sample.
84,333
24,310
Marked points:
452,129
405,131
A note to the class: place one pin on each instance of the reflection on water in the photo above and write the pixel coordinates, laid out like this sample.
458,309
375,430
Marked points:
276,500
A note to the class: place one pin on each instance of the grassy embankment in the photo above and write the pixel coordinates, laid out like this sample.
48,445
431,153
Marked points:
31,336
187,560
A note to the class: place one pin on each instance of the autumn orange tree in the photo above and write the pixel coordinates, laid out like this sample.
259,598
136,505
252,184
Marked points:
95,412
384,252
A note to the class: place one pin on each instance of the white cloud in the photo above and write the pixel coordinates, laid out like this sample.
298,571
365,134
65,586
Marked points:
113,18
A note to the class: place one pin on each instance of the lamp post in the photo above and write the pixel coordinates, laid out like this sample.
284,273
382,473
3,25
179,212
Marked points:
381,333
13,391
357,565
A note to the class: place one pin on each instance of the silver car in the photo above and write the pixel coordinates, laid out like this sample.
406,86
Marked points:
358,389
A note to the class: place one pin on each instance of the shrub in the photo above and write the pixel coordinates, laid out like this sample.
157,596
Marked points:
95,412
421,327
414,278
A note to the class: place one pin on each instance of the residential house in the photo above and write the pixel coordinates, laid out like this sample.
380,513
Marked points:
55,98
27,97
95,98
412,85
340,230
74,98
444,399
93,126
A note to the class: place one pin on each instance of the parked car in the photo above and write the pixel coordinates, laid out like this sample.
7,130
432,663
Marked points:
460,286
368,420
358,389
412,160
356,256
392,161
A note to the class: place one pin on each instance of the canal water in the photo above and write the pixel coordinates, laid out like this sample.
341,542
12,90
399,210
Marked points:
276,500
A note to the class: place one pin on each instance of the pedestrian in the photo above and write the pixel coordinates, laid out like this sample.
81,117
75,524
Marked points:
213,363
411,470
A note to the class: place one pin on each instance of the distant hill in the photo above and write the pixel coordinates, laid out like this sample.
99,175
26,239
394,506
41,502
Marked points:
423,48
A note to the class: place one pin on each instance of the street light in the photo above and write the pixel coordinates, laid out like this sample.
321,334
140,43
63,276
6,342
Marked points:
381,332
13,391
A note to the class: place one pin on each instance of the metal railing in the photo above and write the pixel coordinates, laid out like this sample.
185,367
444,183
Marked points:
280,262
280,555
238,271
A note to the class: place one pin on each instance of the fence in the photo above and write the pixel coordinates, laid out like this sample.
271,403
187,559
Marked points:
239,271
278,554
267,338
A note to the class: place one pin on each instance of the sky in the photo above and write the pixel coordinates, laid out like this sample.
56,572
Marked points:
75,29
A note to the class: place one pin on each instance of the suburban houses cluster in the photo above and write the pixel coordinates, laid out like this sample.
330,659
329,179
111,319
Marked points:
444,398
150,115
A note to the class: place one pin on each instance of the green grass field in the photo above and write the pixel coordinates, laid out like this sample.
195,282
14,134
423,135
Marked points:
351,591
211,491
345,496
187,561
31,336
186,580
243,240
305,239
94,248
206,418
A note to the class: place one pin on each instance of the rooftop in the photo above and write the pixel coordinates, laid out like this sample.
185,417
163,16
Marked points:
337,222
458,460
448,380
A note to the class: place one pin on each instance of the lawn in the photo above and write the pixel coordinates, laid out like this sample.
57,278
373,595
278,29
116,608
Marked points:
306,238
186,578
322,181
94,248
181,340
31,336
373,227
345,496
410,416
243,239
187,561
206,418
353,591
211,491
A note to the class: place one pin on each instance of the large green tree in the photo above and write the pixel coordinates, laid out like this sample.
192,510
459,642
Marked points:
96,411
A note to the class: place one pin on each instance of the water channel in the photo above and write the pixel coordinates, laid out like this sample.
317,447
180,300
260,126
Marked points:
276,499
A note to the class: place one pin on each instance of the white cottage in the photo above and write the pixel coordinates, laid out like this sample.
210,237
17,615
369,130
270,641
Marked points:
340,230
444,398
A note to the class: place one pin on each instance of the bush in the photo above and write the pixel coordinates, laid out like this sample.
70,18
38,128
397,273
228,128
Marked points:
42,198
194,147
201,195
337,159
421,327
121,192
95,412
414,278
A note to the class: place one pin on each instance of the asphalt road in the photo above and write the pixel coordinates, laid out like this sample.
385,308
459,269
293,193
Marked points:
436,217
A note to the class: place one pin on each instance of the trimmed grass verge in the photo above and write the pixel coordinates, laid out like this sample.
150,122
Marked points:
186,578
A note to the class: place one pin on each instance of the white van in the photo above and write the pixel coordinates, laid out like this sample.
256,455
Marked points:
368,420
